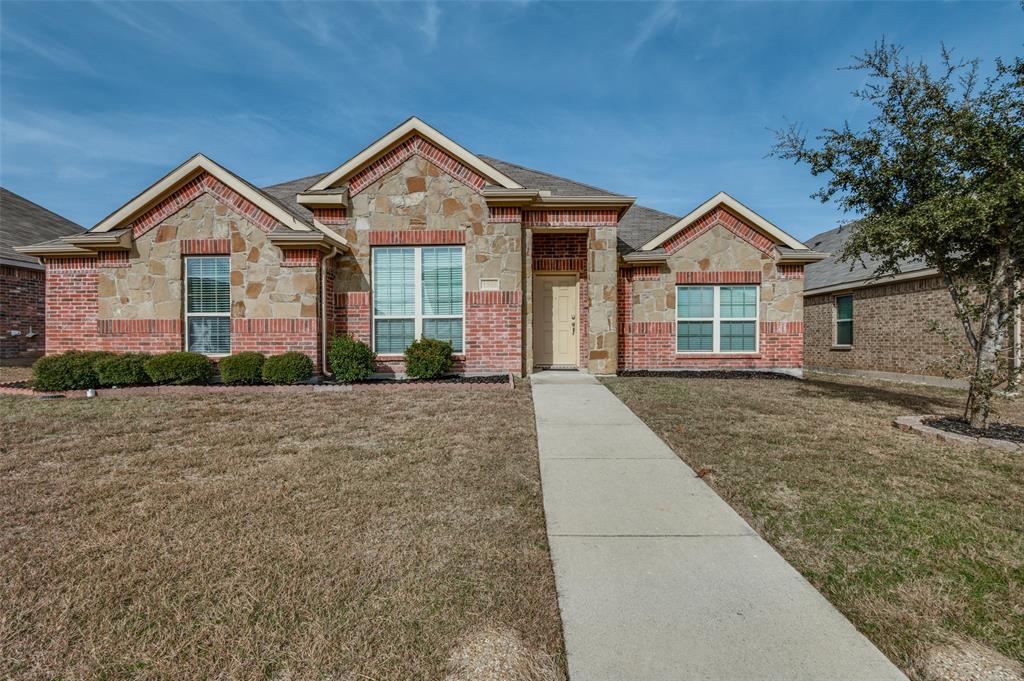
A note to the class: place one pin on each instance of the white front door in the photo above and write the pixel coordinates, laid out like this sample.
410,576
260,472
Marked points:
556,314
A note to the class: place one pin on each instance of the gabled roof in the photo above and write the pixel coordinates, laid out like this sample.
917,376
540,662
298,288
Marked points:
23,222
639,224
286,193
733,206
414,126
283,213
831,273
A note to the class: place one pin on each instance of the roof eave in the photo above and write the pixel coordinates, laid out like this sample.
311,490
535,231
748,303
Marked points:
333,199
50,250
316,240
802,257
118,239
872,281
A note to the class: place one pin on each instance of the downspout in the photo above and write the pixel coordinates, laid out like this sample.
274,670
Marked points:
323,308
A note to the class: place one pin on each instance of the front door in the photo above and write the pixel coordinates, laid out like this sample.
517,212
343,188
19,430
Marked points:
556,311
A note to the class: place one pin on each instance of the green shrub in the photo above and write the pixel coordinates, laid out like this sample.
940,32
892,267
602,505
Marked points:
351,360
68,371
428,358
179,368
122,370
289,368
245,368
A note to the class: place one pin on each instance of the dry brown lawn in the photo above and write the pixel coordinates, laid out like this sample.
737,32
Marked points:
917,542
10,372
371,536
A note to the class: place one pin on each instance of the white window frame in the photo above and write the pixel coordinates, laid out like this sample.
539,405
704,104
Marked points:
418,315
836,320
188,314
717,319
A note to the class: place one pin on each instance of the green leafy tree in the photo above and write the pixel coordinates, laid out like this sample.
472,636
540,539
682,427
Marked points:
936,174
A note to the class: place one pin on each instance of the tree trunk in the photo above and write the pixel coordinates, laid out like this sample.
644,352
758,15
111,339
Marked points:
990,336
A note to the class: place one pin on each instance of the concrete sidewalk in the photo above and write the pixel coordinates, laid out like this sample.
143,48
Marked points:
657,577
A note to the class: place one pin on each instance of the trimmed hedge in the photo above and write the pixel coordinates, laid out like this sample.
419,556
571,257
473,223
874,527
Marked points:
123,370
428,358
351,360
288,369
68,371
245,368
179,368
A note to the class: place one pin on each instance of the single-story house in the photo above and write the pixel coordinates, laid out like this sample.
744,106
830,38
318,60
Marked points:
416,236
22,286
900,326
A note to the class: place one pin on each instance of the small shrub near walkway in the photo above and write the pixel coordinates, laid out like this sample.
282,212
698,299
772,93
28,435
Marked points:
918,542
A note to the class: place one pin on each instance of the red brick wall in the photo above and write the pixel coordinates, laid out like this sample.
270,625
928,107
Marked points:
140,335
23,309
71,307
494,332
652,345
352,314
276,336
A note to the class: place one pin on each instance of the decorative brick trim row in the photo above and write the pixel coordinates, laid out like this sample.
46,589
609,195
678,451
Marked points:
202,183
205,246
570,218
420,237
134,327
791,271
414,146
719,277
720,216
112,259
643,273
559,264
293,325
300,257
651,328
331,216
504,214
782,328
77,263
494,298
352,298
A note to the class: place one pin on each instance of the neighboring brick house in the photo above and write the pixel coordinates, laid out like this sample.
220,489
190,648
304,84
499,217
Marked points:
902,326
22,285
416,236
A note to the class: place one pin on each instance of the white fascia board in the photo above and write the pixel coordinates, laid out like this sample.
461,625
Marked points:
415,125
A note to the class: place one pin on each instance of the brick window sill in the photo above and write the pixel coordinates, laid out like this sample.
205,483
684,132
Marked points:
718,355
392,358
841,348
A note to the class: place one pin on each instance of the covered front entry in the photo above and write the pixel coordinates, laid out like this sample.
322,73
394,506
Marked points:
556,320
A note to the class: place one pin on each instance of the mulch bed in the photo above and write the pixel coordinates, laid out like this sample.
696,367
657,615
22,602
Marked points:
996,431
717,373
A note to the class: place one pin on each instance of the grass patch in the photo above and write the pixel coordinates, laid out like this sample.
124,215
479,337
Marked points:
917,542
370,536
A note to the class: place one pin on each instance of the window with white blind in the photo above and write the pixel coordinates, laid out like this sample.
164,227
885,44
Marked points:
716,319
844,320
208,305
417,293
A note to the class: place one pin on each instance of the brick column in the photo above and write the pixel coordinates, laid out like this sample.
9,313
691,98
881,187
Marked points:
602,289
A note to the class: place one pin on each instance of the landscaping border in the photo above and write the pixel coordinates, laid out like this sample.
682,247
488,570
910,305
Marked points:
915,424
376,386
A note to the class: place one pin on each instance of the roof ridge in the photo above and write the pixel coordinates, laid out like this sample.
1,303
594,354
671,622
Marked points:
551,175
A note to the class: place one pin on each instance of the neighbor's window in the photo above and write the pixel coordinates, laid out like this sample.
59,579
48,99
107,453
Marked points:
417,293
716,318
208,305
844,320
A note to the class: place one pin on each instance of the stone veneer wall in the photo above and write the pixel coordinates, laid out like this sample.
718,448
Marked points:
892,330
418,203
22,309
134,301
716,254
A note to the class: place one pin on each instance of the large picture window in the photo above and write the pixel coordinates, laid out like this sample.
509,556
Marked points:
716,318
844,320
417,293
208,305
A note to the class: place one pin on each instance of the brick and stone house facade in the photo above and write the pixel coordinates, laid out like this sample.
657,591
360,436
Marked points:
416,236
902,326
22,277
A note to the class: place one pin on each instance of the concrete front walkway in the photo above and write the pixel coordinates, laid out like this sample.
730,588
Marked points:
657,577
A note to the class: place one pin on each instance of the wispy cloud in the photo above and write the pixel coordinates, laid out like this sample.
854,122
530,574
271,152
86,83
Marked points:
57,55
430,26
665,15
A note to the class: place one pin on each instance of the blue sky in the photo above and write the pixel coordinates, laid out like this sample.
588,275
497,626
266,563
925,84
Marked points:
670,102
